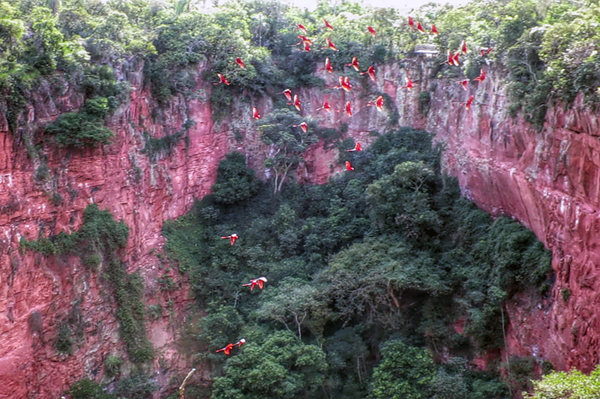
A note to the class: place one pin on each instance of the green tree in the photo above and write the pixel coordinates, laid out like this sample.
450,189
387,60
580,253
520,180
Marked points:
567,385
235,182
405,372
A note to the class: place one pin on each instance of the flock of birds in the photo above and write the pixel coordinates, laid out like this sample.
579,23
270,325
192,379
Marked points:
453,59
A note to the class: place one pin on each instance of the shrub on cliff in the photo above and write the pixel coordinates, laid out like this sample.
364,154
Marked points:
235,182
567,385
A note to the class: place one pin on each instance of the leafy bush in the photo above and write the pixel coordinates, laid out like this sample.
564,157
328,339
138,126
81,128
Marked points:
235,182
567,385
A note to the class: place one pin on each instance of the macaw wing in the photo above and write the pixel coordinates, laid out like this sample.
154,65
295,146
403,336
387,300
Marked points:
261,284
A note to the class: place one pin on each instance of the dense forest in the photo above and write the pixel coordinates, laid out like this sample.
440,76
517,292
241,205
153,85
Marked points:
369,275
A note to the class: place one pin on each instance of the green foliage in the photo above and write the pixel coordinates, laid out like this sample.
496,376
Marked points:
157,148
235,182
87,389
404,372
63,342
567,385
424,102
281,367
42,245
112,366
137,386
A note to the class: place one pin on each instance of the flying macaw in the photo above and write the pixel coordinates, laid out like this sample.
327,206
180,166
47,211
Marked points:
287,93
357,147
354,64
348,108
301,27
327,24
378,103
371,72
304,39
349,166
468,103
296,103
260,282
306,46
255,113
371,30
231,238
456,55
434,30
409,84
226,349
302,126
481,76
464,83
328,66
221,80
485,52
411,23
346,85
463,47
420,27
330,44
449,60
325,106
239,61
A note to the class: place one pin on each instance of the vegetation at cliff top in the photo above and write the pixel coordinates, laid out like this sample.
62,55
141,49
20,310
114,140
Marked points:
378,264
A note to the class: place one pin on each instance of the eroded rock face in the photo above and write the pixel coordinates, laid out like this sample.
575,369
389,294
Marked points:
549,181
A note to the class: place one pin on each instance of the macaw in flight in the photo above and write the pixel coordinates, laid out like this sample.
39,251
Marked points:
378,103
348,108
302,28
330,44
325,106
456,55
449,60
296,103
371,30
468,103
287,93
302,126
349,166
260,282
481,76
434,30
485,52
411,23
327,24
231,238
371,72
463,83
420,27
304,39
357,147
227,349
463,47
346,85
354,64
409,84
221,80
328,66
239,61
306,46
255,113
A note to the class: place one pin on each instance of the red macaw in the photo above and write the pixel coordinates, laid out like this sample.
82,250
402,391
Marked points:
296,103
354,64
411,23
485,52
357,147
231,238
301,27
409,84
330,44
255,113
346,85
306,46
304,39
302,126
463,47
239,61
328,66
449,60
371,30
434,30
464,83
420,27
348,108
468,103
226,349
456,55
288,94
260,282
349,166
327,24
481,76
378,103
325,106
221,80
371,71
